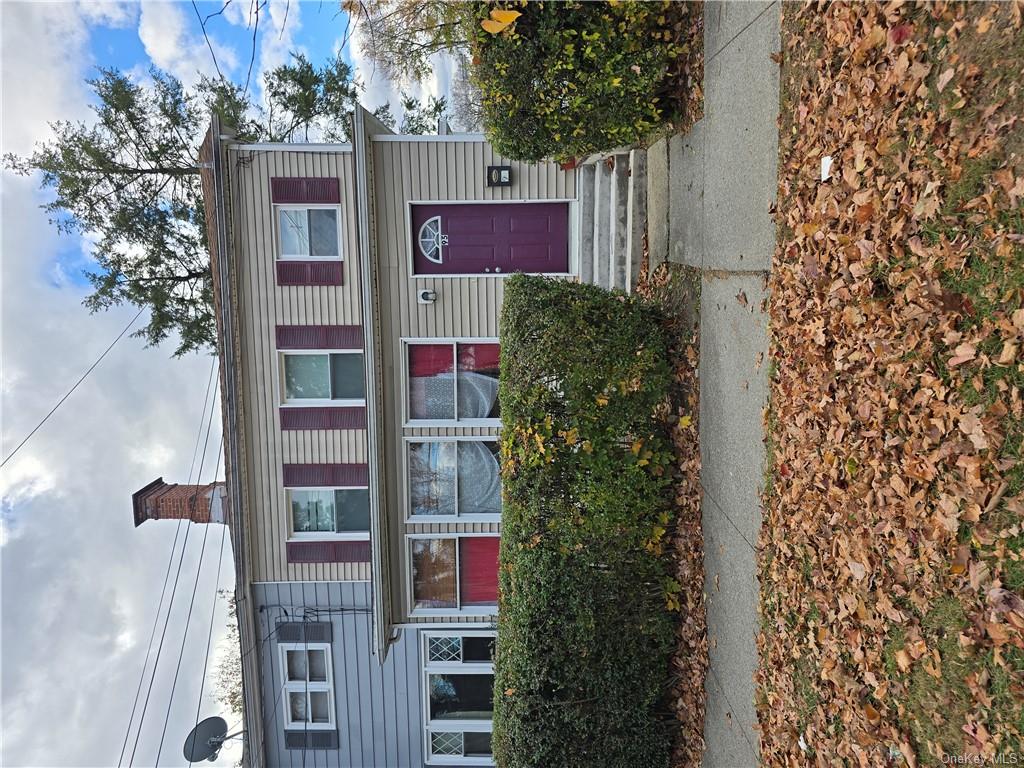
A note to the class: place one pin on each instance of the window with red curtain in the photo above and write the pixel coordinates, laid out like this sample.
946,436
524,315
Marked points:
478,570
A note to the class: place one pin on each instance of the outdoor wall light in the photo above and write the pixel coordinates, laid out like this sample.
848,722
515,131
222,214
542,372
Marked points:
499,175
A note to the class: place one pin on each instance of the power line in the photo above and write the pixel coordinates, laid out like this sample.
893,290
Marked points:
70,391
202,25
213,613
191,605
167,574
174,590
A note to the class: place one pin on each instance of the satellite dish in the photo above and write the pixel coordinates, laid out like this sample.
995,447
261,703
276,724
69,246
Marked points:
205,740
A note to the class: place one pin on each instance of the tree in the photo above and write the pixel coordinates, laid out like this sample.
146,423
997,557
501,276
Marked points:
418,117
128,182
400,36
227,679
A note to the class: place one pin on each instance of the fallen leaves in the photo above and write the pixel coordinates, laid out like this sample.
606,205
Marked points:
689,665
897,390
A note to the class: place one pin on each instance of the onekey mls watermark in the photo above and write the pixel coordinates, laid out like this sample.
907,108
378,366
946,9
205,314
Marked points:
1003,758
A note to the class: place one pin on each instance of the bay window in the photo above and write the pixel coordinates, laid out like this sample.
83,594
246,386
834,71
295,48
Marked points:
452,381
453,478
458,669
452,574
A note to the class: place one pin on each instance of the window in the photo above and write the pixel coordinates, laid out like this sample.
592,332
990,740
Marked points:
454,574
324,376
308,685
453,381
342,513
308,232
458,671
460,478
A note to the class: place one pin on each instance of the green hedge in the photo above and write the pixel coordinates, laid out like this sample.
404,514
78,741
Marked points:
568,79
584,630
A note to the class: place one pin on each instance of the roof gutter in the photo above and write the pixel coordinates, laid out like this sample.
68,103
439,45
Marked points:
225,305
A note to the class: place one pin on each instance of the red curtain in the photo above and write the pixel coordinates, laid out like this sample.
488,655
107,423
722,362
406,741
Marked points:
478,570
479,357
430,359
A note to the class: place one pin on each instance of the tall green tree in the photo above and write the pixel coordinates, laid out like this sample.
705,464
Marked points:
128,181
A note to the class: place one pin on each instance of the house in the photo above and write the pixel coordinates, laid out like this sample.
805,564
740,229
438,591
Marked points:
357,290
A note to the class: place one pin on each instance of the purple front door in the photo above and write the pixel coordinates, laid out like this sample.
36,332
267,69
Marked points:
490,238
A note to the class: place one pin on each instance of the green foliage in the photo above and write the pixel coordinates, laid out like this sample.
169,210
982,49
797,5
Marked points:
419,117
584,630
128,181
568,79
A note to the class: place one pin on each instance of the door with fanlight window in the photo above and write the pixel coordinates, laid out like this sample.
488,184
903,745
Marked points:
490,238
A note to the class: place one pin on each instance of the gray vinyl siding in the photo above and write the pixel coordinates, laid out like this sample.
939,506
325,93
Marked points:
377,707
406,171
262,306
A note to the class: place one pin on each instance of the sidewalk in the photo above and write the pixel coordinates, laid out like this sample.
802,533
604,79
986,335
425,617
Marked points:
720,181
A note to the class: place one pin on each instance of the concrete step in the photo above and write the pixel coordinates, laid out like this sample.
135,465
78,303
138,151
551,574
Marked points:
619,216
602,223
585,176
637,215
613,218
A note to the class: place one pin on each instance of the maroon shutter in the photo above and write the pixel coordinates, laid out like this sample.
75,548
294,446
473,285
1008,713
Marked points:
326,475
303,190
328,551
293,272
323,418
319,337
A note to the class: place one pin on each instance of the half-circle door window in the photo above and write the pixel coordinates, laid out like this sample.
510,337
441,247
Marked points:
490,238
432,240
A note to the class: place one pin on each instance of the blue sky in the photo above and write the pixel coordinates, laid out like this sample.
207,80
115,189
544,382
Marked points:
78,582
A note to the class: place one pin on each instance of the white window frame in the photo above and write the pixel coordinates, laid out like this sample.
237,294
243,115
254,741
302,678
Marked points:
459,610
427,668
412,519
288,687
454,341
279,248
309,402
294,535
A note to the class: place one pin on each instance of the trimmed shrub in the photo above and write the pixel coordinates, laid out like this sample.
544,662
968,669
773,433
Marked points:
568,79
585,633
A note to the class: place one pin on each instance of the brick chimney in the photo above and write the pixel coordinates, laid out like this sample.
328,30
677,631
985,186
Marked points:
170,501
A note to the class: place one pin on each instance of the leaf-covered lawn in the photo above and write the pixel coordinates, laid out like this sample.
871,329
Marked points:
891,567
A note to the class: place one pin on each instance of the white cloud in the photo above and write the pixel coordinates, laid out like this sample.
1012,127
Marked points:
79,583
168,38
379,90
280,20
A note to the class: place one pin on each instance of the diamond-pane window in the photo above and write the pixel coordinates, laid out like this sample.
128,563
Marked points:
446,743
445,649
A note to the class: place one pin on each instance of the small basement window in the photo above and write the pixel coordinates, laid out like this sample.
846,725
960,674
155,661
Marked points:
324,376
308,685
308,232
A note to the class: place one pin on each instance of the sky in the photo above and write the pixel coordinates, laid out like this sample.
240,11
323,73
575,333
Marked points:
79,584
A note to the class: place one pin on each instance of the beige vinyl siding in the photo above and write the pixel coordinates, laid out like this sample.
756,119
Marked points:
264,305
407,171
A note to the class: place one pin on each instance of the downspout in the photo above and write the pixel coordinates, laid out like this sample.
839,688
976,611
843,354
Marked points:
379,551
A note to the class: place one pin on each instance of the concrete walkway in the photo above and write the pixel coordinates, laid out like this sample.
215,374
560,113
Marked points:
720,181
